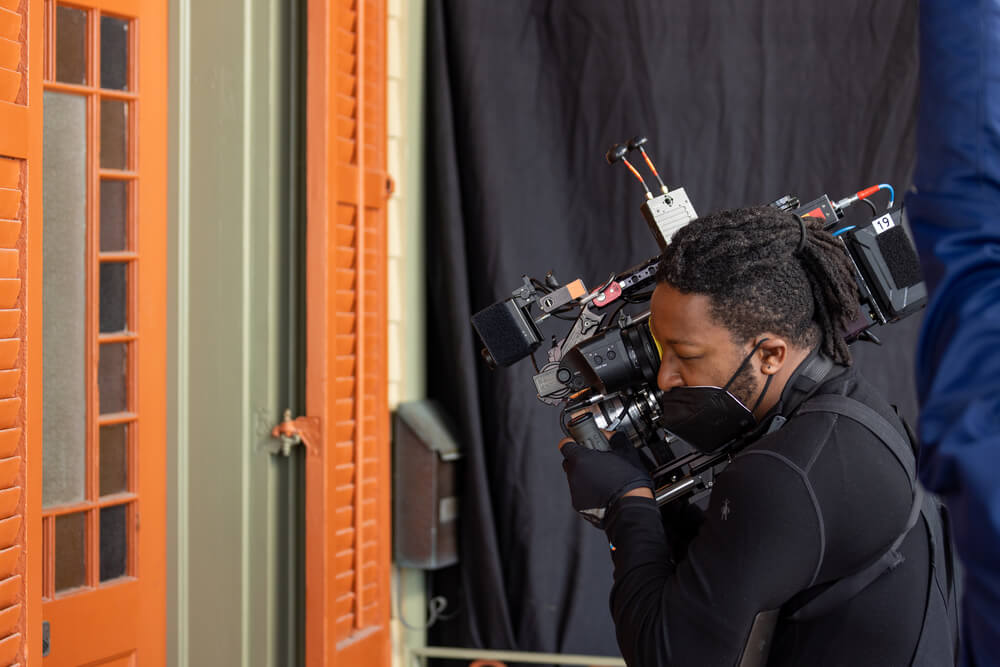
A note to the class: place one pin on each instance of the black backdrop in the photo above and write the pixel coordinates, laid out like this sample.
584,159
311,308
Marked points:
742,102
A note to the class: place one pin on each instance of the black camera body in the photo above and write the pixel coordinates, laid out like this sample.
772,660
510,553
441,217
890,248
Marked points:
603,370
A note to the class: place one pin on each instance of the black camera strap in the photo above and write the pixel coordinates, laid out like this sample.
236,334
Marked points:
847,587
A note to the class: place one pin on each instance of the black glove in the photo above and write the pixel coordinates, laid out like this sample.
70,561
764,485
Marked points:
597,479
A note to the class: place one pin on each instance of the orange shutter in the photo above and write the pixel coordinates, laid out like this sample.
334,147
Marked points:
347,462
20,215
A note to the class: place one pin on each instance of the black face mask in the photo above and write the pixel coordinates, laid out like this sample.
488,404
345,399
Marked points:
709,417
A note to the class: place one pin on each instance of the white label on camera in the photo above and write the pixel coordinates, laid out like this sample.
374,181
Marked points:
883,224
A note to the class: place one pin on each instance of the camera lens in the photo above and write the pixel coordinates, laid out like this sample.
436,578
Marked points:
612,361
641,348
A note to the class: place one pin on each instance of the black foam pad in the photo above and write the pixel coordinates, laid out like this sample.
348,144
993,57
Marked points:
904,265
506,332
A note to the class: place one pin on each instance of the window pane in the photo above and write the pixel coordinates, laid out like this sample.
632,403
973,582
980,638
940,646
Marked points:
71,551
71,45
64,395
114,541
114,296
114,134
114,459
112,375
114,215
114,53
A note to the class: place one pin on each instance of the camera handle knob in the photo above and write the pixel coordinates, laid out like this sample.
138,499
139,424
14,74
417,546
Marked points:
584,430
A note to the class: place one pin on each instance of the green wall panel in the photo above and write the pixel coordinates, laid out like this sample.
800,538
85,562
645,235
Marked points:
235,521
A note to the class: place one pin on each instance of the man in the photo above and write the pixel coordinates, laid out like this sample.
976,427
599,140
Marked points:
754,300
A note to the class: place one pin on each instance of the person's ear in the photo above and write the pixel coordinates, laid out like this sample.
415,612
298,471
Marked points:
773,354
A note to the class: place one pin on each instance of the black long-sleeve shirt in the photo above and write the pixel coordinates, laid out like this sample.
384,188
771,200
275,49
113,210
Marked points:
807,504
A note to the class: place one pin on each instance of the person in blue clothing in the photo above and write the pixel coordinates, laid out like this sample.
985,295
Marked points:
954,213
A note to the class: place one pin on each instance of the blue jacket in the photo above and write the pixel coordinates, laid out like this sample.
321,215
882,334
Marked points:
954,212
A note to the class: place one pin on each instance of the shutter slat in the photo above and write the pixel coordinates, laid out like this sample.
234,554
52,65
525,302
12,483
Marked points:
9,561
9,319
9,649
10,230
9,290
10,24
10,84
10,411
343,539
9,499
9,382
9,529
9,349
9,266
10,469
10,53
10,618
10,590
10,198
10,438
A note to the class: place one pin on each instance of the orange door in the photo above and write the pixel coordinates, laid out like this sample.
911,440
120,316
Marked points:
103,295
347,460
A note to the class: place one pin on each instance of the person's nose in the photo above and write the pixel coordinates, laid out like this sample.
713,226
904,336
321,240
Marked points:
669,375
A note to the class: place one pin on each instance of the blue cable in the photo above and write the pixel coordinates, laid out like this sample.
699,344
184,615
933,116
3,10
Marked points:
845,229
892,192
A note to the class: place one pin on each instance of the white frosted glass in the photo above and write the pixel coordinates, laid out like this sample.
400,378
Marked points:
64,304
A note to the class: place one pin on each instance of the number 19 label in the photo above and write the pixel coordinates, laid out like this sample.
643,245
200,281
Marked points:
883,224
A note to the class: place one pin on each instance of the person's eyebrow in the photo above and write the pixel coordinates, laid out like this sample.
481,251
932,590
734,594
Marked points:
668,341
680,341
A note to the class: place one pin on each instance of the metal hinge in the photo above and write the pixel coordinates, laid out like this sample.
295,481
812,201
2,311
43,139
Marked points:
294,432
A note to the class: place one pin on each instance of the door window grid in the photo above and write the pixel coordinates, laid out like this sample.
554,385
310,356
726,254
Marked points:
113,257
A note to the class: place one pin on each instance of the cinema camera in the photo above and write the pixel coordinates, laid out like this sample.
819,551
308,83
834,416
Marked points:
603,371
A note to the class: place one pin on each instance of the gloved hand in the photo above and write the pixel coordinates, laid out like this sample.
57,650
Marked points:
597,479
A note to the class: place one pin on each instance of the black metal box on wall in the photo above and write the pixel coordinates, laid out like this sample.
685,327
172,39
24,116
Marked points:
425,500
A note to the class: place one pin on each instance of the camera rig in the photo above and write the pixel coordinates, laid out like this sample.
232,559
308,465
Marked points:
602,372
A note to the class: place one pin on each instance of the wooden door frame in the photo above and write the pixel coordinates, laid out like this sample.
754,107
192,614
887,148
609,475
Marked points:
33,324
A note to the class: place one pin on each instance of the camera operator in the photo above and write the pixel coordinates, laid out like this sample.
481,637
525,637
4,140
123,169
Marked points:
817,546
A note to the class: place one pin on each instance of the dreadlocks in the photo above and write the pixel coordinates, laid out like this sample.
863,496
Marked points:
749,262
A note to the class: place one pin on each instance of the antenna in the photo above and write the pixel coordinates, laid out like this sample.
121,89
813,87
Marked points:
637,143
617,153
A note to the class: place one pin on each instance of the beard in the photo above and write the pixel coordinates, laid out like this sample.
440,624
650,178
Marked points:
746,386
